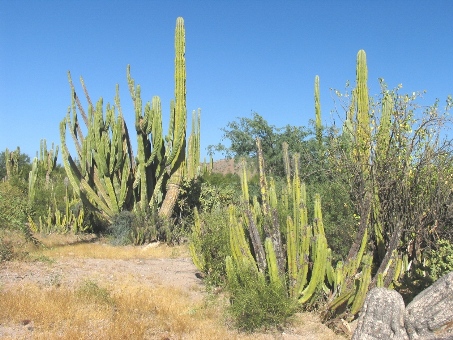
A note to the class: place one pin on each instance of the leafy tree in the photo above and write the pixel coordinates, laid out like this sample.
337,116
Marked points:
242,135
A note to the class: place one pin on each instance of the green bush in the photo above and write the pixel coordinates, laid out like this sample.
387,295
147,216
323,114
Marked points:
441,259
90,291
6,250
13,206
212,245
256,303
138,228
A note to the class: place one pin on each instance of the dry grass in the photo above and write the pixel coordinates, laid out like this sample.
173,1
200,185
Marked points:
126,309
70,246
92,311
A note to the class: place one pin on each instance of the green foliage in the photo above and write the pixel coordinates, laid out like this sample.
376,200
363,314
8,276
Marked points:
210,245
23,164
243,133
13,205
254,302
6,250
440,259
92,292
137,228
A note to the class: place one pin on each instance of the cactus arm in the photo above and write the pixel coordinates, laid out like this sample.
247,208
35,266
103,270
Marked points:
363,286
274,273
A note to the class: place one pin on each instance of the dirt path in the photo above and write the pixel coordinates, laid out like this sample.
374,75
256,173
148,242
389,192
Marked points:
178,273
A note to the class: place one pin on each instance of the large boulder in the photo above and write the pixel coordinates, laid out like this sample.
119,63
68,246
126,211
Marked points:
430,314
381,317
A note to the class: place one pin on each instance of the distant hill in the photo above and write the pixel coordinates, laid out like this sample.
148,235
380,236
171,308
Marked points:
228,166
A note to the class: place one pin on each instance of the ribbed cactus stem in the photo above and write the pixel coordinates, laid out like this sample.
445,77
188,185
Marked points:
177,129
274,273
363,286
286,163
363,130
32,176
263,181
292,255
244,183
318,121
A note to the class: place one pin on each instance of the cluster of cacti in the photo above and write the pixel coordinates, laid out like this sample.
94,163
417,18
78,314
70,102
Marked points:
12,162
303,264
101,174
105,174
71,220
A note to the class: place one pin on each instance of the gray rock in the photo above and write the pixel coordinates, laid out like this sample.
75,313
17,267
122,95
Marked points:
381,317
430,314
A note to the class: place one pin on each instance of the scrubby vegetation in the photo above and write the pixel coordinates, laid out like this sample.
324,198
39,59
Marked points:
318,216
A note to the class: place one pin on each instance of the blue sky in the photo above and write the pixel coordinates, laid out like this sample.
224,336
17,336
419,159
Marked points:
242,56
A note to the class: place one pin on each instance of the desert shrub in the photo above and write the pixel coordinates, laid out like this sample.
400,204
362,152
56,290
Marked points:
211,245
6,250
138,228
13,206
257,303
121,227
440,259
90,291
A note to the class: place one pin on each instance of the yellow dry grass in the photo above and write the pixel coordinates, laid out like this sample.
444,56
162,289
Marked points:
95,309
137,312
68,246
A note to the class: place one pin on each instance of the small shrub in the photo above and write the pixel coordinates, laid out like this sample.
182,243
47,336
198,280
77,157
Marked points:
256,303
6,250
120,229
138,228
91,291
212,245
441,260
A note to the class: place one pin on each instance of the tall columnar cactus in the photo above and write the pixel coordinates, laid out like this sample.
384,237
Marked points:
12,162
176,139
47,158
106,177
363,130
318,122
193,154
32,176
382,144
150,169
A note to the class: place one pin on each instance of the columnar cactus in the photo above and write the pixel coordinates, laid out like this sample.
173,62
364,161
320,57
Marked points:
106,177
193,154
363,130
318,122
176,139
47,158
103,176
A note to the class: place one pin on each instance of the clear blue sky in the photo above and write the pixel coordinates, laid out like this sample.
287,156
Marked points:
242,56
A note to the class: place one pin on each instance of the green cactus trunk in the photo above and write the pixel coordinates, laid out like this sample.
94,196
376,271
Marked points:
318,121
177,134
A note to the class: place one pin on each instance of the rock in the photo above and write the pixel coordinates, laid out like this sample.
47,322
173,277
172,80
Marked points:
381,317
430,314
